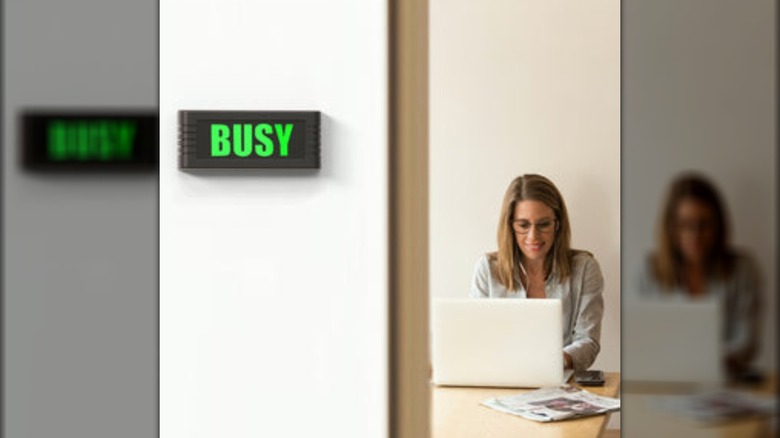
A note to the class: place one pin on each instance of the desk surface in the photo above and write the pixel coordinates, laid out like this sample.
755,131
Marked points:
643,418
457,413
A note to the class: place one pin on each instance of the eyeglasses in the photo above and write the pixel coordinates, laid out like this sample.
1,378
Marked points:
695,225
523,226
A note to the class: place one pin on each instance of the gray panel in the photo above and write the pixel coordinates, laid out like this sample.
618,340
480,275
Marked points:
80,251
699,92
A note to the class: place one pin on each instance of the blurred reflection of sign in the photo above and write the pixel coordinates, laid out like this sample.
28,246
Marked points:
94,140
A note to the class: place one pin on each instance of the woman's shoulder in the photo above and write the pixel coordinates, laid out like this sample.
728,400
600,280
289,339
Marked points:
485,283
745,265
584,265
645,278
743,259
646,269
486,261
488,257
582,258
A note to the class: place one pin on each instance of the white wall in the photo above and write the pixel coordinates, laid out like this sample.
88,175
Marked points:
79,274
700,93
525,87
273,285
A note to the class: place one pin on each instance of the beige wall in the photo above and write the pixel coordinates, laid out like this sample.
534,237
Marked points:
525,87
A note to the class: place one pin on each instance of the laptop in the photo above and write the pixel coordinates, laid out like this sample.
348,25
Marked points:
501,342
672,342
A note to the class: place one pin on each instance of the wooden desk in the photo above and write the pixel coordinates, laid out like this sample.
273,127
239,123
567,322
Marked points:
642,418
457,413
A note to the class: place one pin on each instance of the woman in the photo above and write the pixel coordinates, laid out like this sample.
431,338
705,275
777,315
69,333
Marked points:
534,260
694,261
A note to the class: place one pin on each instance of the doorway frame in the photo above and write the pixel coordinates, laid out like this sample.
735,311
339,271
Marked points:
409,369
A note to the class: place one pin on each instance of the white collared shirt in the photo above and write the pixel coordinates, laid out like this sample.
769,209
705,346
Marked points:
581,301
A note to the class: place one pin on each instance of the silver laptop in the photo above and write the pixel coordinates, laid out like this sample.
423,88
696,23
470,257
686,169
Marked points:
675,342
497,342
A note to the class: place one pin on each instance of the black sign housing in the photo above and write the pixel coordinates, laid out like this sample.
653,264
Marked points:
249,139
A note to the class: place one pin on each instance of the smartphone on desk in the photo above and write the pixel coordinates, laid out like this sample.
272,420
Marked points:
589,378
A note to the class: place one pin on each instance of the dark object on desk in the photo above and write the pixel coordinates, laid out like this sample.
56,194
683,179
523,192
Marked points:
589,378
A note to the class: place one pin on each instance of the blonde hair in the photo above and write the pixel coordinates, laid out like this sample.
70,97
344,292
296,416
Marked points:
508,257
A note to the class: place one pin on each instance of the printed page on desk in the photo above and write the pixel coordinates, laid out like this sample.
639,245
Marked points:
554,404
717,406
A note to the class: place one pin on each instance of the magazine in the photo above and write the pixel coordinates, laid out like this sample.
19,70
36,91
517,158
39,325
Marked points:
554,404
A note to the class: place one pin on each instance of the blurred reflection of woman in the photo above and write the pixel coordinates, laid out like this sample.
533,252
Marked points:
535,260
693,261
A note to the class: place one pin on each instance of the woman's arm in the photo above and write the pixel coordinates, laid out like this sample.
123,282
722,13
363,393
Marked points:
585,345
745,317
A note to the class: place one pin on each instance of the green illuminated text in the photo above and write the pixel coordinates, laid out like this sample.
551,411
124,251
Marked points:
101,140
239,138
